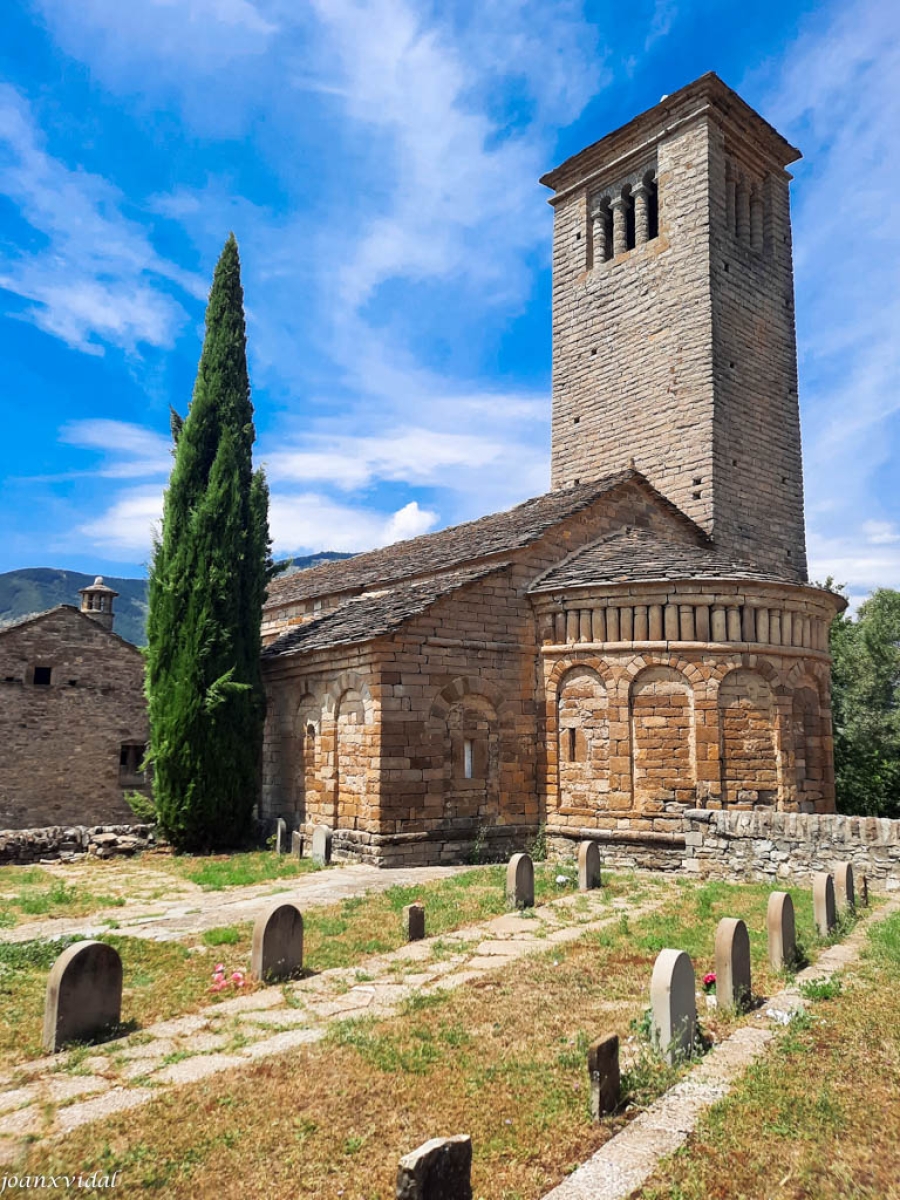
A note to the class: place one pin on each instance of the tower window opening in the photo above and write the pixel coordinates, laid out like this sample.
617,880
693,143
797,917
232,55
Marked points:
652,210
571,734
42,676
468,758
629,227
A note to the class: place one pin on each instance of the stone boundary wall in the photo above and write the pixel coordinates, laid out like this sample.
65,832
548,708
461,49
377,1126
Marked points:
773,845
20,847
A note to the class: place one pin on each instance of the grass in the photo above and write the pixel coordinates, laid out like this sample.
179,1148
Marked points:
216,872
819,1117
502,1059
29,892
164,979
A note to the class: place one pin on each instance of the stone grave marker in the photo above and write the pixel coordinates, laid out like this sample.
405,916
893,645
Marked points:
440,1169
84,994
732,964
845,892
864,891
603,1068
782,931
588,866
823,903
321,845
414,922
297,844
276,951
673,1004
520,882
281,836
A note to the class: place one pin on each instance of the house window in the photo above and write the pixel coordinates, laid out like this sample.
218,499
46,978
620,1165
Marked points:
42,676
131,756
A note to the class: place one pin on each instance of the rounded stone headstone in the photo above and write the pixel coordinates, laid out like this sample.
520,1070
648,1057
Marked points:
84,994
845,892
520,882
673,1004
297,844
732,964
276,951
281,836
823,903
588,866
321,845
440,1169
782,931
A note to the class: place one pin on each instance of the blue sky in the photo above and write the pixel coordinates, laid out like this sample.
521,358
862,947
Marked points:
378,162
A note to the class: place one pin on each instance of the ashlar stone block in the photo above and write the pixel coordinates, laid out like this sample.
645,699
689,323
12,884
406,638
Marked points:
605,1078
673,1004
588,866
276,950
782,931
732,964
520,882
824,909
845,891
84,995
440,1169
321,845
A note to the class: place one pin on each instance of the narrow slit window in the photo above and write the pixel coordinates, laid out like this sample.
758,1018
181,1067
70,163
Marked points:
572,743
468,758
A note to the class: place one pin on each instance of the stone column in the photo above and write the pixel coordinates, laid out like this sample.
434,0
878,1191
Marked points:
600,217
620,230
641,197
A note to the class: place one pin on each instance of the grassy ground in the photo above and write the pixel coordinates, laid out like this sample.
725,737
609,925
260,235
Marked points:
92,885
167,979
504,1061
819,1118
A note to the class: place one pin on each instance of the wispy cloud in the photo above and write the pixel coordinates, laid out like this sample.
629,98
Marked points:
94,278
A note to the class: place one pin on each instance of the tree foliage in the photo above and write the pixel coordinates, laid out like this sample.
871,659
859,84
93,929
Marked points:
866,706
206,590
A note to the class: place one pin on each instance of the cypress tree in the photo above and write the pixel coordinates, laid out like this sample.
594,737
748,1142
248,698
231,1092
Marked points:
207,586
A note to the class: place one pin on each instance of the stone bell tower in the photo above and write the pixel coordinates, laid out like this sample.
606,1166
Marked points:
97,603
673,319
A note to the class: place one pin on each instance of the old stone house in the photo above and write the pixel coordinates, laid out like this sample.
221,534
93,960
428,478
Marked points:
73,719
640,640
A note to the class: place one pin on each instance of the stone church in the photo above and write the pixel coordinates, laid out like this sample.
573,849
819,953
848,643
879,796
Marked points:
642,639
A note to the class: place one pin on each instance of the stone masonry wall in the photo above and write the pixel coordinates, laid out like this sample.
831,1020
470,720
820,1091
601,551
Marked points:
60,743
681,351
777,845
23,846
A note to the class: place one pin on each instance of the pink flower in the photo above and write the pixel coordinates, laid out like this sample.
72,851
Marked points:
709,981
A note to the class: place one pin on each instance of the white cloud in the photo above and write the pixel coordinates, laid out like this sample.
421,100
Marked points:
311,522
97,278
880,533
131,450
125,531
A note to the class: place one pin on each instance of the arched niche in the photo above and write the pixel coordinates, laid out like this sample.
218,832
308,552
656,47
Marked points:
661,704
809,755
471,758
747,727
352,730
582,739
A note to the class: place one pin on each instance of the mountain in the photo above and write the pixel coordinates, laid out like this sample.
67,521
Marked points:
35,589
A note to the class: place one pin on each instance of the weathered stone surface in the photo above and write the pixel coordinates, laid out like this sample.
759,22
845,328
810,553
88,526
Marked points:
282,836
297,844
864,891
321,845
588,866
605,1079
440,1169
673,1004
520,882
414,922
63,742
844,890
781,931
277,947
824,909
84,994
732,964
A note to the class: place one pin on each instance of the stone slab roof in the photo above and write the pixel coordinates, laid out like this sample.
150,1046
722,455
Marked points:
18,622
457,546
375,613
637,555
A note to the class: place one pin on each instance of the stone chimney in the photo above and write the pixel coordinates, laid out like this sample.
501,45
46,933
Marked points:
97,603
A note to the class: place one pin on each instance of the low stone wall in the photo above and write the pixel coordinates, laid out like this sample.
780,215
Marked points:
65,842
772,845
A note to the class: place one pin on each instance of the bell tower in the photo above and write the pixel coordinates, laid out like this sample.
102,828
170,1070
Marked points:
673,319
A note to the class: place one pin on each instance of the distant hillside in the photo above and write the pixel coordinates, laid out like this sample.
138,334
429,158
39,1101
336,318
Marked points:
35,589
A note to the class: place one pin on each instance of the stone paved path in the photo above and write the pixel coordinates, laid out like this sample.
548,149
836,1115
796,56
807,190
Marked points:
54,1095
196,910
627,1161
